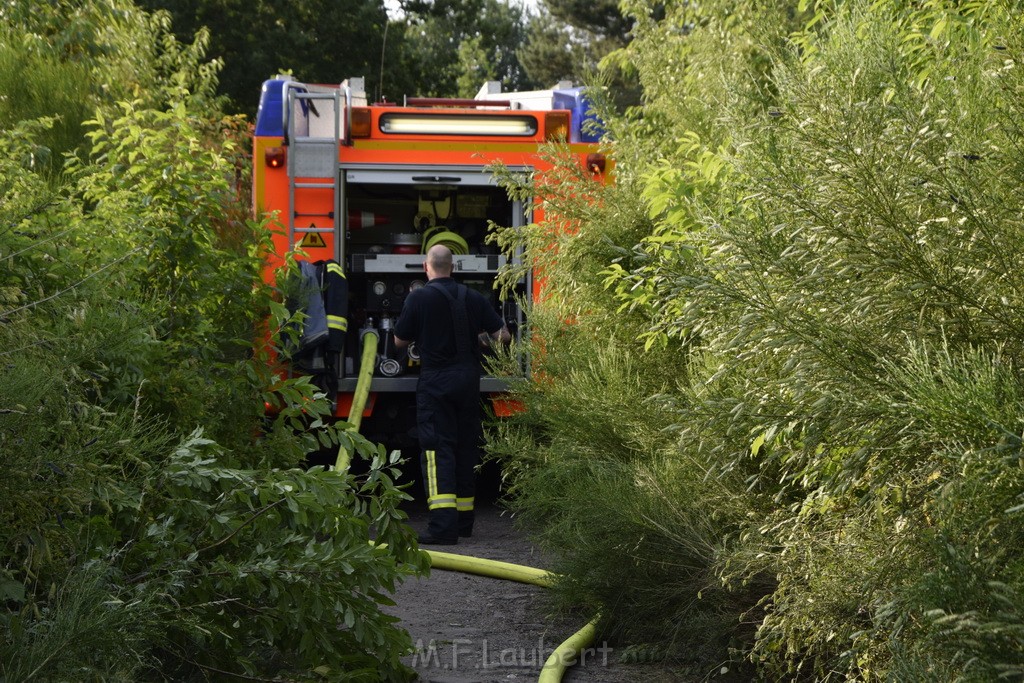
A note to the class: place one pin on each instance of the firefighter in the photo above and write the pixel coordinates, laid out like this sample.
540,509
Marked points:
450,324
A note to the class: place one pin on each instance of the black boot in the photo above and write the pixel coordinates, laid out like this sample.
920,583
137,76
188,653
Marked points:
466,518
442,529
429,539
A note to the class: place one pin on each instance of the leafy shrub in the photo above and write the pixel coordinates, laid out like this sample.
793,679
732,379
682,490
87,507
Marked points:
593,468
134,546
833,202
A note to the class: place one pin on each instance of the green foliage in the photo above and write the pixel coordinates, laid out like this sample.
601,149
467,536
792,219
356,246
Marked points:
64,59
547,54
152,524
86,630
828,204
452,47
592,463
554,51
429,48
318,41
602,17
426,48
271,571
51,88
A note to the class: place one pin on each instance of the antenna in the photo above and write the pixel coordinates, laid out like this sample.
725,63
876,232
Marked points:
383,45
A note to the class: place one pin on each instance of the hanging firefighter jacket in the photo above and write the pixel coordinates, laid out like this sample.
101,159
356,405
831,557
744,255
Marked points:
334,288
322,295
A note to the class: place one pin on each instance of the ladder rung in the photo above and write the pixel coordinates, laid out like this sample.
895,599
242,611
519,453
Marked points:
312,157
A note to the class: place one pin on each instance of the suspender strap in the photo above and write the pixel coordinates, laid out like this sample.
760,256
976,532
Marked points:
460,321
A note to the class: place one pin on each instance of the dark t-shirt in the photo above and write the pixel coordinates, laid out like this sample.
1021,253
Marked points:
427,320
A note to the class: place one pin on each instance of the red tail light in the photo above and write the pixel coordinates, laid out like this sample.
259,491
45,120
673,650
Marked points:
274,157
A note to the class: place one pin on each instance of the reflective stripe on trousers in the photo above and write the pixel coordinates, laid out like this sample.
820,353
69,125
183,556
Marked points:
437,500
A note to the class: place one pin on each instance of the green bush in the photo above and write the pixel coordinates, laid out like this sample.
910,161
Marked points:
832,199
152,523
633,526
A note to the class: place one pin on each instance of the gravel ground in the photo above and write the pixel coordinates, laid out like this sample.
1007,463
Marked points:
469,628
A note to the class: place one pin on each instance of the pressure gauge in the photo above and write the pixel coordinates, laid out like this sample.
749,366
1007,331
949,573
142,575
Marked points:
415,284
379,288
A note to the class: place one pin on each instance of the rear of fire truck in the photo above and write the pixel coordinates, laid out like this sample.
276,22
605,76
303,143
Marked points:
366,188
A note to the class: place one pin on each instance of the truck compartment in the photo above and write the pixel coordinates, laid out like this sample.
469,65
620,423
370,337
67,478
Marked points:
391,217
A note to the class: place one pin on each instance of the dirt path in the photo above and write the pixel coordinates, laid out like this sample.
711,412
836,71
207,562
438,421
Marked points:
476,629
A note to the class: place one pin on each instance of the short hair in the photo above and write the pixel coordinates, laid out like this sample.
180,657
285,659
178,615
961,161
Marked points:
440,258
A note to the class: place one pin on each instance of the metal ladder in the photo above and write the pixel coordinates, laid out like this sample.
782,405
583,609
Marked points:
313,150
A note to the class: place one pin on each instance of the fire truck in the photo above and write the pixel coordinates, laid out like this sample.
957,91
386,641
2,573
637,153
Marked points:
369,187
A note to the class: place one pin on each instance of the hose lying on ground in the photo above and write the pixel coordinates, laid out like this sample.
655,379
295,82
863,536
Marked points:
565,654
492,568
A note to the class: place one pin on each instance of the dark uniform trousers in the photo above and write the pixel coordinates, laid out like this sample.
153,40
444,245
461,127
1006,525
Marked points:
448,416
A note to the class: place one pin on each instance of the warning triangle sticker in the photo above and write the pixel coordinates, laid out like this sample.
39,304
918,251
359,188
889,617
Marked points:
312,240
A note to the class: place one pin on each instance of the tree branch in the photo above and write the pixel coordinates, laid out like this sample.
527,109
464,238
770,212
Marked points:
252,517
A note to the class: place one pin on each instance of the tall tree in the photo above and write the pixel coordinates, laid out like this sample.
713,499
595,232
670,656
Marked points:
320,41
571,39
555,50
599,17
549,54
458,44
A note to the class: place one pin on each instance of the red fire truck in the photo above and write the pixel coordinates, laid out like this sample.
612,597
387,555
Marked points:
368,187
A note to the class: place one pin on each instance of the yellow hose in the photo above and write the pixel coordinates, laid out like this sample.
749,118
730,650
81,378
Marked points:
492,568
355,414
565,655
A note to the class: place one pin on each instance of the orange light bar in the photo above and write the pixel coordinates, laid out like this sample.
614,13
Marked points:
362,122
274,157
556,125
